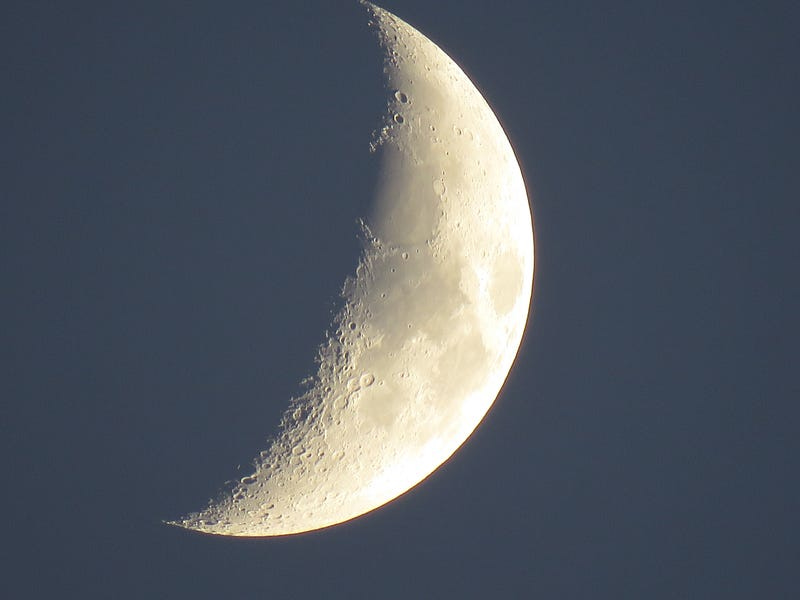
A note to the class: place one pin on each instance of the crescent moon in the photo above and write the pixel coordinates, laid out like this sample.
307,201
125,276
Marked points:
431,321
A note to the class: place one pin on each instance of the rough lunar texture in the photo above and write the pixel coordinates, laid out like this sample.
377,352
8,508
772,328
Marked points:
432,318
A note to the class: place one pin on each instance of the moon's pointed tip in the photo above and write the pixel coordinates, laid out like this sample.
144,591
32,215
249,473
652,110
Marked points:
196,524
224,529
189,523
370,6
180,523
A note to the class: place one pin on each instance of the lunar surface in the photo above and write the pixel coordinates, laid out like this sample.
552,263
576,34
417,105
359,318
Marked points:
432,315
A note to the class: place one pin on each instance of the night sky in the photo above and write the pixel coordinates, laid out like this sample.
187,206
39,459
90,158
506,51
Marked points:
180,188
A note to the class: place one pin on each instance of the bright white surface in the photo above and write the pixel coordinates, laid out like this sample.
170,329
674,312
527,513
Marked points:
433,315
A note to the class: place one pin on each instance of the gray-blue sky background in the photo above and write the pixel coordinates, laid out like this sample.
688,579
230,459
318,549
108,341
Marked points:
179,192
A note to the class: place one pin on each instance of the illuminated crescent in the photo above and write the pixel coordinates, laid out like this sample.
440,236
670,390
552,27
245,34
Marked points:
432,317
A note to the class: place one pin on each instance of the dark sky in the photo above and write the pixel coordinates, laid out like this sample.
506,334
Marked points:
180,183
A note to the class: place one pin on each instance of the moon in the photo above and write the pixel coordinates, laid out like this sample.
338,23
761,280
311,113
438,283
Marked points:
431,319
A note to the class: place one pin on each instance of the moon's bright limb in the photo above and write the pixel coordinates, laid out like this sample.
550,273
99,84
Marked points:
432,318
